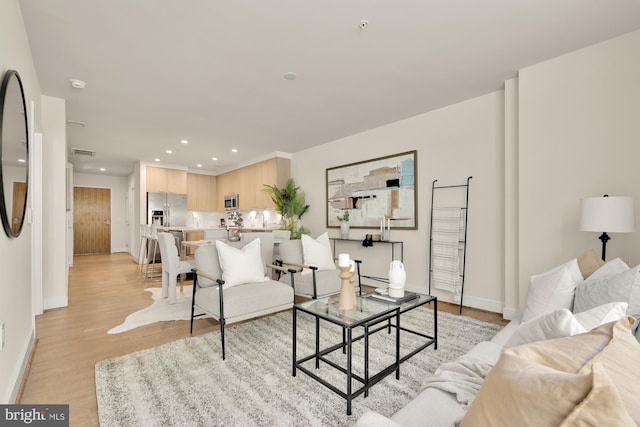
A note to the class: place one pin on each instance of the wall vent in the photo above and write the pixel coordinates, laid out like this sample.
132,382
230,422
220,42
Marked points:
82,152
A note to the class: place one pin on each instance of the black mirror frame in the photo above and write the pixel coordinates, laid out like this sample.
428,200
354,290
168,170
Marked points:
6,222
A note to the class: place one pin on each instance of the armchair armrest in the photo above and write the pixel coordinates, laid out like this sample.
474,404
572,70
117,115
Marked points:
297,264
282,269
197,272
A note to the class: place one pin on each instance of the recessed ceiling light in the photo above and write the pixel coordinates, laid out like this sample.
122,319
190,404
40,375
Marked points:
184,141
214,158
78,84
157,160
199,165
234,150
102,169
290,75
169,152
22,160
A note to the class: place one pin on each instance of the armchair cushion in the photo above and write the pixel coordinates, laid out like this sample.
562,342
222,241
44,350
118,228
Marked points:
327,282
317,253
245,301
206,258
240,266
291,251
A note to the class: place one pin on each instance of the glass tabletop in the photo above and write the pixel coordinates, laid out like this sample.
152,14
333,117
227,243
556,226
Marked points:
366,309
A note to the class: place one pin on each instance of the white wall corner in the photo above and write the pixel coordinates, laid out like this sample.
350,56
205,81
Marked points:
511,194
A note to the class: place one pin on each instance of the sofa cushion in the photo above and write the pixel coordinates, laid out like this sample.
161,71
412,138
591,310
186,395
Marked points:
552,290
564,381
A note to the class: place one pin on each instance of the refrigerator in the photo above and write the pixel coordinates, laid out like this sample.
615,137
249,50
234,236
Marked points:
167,210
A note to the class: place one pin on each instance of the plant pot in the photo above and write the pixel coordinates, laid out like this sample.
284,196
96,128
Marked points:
344,230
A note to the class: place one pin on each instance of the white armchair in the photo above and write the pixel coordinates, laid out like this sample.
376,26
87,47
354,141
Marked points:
240,298
172,266
319,283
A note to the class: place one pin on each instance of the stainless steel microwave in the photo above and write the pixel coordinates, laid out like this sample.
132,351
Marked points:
231,202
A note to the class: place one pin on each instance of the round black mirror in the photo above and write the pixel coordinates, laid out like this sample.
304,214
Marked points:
14,148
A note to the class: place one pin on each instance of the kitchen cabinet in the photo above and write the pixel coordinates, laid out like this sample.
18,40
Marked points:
162,180
201,192
248,183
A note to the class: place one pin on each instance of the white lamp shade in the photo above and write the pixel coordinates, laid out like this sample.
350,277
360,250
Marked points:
607,214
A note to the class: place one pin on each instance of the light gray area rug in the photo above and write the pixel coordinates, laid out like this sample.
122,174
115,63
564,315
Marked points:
186,382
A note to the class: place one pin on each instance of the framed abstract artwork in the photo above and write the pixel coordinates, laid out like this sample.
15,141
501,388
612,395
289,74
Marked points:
381,191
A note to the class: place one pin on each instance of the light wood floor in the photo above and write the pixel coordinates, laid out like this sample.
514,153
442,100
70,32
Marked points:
103,290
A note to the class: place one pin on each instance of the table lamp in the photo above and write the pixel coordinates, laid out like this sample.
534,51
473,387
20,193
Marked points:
607,215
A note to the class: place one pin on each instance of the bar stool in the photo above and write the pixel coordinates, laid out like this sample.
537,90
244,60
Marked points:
142,252
152,237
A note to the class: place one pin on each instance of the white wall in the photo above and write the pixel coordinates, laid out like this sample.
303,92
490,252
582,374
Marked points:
15,287
54,200
455,142
119,194
579,137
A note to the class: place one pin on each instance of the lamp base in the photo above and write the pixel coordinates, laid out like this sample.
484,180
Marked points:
604,238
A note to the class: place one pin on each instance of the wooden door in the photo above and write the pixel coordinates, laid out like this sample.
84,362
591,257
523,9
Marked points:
17,208
91,220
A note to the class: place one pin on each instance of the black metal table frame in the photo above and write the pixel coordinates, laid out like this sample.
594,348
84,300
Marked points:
347,342
430,339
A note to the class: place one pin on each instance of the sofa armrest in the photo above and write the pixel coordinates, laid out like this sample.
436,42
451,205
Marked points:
374,419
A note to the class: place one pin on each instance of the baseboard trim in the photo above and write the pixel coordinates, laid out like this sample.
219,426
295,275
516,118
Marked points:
510,313
469,301
18,385
56,302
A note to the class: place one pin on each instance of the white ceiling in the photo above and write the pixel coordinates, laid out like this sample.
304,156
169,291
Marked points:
211,71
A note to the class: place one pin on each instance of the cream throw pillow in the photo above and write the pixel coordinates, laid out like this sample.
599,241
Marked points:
317,253
240,266
567,381
589,262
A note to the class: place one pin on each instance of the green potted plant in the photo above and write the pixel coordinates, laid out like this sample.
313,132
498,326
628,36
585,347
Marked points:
344,223
235,217
290,203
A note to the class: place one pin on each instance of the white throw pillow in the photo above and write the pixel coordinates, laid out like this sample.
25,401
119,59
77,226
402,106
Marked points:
317,253
552,290
601,314
622,287
240,266
557,324
611,268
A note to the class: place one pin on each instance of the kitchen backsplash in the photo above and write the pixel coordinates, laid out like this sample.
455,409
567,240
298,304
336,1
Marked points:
252,219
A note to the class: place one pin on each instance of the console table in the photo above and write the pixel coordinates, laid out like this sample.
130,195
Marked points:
396,246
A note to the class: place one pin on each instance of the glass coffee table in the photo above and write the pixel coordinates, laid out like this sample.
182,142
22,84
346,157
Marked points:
372,315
